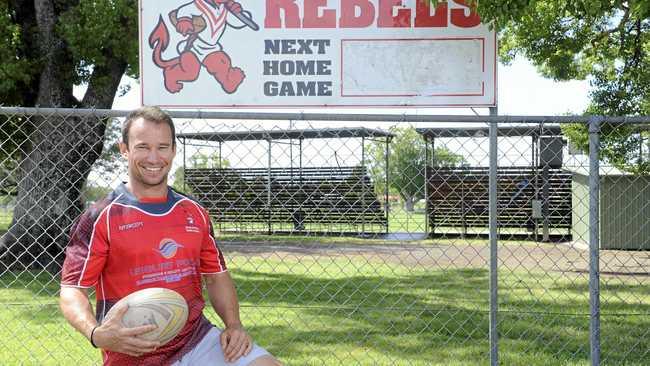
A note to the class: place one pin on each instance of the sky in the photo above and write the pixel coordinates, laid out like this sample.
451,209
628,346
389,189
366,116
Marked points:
523,91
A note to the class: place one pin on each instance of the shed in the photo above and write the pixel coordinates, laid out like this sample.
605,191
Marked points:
624,209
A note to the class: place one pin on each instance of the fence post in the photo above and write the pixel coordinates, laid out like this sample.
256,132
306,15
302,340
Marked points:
494,300
426,185
184,166
363,187
388,208
268,190
594,239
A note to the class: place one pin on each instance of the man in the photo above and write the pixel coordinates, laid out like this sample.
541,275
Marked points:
144,235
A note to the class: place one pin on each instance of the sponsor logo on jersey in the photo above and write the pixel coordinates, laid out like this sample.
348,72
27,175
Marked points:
131,226
168,248
190,228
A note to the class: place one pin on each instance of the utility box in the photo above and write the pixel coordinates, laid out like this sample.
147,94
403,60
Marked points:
537,209
551,149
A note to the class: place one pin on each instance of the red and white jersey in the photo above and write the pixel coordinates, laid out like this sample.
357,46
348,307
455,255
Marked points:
215,17
121,245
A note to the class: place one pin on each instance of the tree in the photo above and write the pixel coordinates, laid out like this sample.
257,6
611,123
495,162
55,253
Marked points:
47,47
92,192
197,161
406,164
110,161
604,41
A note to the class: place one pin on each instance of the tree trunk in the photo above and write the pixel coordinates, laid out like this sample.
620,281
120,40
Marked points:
61,154
409,203
53,174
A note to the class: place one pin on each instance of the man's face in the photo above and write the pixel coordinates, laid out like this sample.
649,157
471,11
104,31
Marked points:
150,153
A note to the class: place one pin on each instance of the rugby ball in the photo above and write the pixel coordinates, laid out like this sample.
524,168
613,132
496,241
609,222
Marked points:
162,307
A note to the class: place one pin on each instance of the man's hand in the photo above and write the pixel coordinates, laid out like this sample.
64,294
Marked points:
235,343
112,336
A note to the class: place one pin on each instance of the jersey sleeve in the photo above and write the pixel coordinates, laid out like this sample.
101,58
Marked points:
212,260
87,250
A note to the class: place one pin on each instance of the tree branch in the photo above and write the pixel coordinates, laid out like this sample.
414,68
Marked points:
619,28
104,82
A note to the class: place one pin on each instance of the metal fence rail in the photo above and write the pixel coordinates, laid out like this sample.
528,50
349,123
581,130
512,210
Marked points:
420,240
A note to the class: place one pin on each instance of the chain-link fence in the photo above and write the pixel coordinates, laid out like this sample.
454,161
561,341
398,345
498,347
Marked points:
364,240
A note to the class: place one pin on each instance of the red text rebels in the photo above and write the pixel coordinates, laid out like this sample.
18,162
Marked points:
365,13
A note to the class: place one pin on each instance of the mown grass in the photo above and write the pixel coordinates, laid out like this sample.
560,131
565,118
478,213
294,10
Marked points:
5,219
340,310
399,221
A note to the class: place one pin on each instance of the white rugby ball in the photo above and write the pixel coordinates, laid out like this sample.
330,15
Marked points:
162,307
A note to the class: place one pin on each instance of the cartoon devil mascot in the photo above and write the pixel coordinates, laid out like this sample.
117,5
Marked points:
202,23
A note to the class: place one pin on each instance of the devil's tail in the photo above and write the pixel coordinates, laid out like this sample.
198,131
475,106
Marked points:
158,41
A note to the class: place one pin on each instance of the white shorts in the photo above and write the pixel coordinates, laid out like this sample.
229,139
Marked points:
208,352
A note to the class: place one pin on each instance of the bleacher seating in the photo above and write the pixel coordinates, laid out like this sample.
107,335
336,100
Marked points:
322,195
458,197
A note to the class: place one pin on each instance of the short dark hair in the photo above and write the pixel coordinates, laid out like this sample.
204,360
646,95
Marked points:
151,114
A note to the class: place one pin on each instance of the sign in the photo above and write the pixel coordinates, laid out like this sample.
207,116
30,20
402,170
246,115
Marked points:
315,53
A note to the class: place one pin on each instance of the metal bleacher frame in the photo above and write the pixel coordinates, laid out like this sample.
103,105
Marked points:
290,199
457,197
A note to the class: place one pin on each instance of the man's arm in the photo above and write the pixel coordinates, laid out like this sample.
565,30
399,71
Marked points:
110,335
235,342
76,309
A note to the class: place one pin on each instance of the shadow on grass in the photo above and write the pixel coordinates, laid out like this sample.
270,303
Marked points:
427,318
411,316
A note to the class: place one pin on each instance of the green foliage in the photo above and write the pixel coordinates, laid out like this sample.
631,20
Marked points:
205,161
604,41
94,32
15,71
197,161
179,179
13,136
92,193
99,29
110,160
621,146
406,163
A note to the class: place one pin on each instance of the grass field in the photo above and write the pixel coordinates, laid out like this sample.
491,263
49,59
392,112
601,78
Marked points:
340,310
5,219
400,221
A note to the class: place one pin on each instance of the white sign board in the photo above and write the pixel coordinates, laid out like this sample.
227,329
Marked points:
315,53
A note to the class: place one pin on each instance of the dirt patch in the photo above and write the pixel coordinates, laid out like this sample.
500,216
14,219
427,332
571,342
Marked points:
527,256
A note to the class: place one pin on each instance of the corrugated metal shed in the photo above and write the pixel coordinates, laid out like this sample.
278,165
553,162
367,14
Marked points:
624,210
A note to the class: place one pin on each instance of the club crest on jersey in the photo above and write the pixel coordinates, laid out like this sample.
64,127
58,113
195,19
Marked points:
168,248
